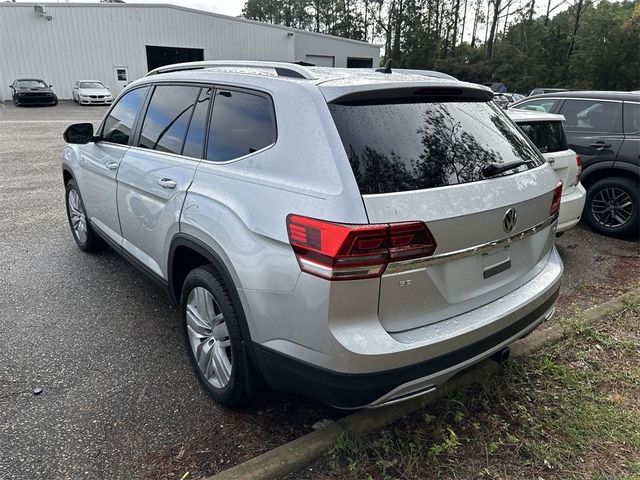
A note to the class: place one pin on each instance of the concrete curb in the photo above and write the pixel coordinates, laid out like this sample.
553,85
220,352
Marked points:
294,455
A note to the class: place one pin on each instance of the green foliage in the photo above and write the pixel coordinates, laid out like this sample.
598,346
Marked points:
591,45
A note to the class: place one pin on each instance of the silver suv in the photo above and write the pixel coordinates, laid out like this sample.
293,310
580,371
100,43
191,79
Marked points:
354,236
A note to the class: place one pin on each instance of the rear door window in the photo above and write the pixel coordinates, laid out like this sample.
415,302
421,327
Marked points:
241,123
165,124
547,136
118,125
396,147
592,115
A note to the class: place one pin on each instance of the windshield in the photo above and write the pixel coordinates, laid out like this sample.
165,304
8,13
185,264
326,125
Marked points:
395,147
91,85
31,84
547,136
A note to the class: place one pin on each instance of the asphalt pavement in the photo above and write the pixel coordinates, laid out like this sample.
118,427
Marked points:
118,398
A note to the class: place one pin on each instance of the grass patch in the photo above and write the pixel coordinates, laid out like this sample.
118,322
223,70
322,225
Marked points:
569,411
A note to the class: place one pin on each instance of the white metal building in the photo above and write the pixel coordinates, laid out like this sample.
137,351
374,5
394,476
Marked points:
117,43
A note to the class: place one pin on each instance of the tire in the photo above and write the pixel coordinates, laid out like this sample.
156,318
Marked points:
16,102
86,239
612,207
218,359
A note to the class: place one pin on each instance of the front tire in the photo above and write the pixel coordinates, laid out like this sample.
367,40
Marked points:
81,230
213,337
612,206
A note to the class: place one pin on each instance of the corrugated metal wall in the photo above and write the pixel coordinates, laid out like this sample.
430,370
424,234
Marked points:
87,41
341,49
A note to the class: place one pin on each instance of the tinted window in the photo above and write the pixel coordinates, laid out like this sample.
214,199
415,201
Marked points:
547,136
593,115
165,123
241,123
410,146
119,123
540,105
194,144
631,117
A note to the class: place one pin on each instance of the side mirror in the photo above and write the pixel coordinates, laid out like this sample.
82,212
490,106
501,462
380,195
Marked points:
50,86
79,133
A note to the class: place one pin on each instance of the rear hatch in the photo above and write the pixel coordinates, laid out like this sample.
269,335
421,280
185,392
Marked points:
549,137
435,157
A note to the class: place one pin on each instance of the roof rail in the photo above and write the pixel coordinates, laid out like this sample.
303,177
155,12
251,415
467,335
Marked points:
283,69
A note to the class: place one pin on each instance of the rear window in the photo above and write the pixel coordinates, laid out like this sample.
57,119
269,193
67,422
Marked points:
395,147
547,136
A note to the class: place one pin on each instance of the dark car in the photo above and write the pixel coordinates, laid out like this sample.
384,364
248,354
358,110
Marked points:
604,129
32,91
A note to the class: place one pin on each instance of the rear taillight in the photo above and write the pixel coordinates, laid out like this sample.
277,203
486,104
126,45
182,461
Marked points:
338,251
557,196
579,165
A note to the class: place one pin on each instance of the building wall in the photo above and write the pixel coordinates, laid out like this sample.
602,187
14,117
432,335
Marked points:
88,41
325,45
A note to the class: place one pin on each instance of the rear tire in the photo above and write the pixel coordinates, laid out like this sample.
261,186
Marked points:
86,239
213,337
612,207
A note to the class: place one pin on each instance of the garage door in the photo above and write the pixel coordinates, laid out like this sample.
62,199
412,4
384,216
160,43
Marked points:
321,60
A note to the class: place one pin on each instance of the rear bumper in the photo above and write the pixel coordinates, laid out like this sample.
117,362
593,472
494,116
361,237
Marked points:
431,354
571,206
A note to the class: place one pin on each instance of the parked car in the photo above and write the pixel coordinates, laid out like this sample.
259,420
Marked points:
505,99
32,91
90,92
542,91
546,132
604,129
360,254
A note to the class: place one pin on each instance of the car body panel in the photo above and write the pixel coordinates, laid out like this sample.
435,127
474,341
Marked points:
150,212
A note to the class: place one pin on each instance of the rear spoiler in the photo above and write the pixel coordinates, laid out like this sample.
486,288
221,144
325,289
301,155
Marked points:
406,93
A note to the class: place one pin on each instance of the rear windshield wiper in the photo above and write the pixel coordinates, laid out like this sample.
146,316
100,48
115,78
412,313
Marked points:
494,169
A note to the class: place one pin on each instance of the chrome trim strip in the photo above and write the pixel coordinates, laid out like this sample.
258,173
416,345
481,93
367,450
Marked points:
423,262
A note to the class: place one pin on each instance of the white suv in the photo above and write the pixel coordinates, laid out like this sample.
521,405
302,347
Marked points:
545,130
355,236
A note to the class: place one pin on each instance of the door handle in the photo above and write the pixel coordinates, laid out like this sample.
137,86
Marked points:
167,183
600,145
112,165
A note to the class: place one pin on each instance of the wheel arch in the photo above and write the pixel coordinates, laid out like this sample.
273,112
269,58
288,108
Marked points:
618,169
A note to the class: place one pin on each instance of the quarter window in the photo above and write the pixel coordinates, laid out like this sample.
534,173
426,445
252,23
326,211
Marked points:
167,118
119,124
593,115
194,144
241,123
631,117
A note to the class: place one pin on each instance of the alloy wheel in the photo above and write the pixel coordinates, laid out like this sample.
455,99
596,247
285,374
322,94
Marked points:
612,207
77,215
209,337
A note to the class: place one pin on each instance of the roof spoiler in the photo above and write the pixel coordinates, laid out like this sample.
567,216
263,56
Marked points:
410,93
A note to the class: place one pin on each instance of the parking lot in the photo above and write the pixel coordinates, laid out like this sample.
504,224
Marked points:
104,344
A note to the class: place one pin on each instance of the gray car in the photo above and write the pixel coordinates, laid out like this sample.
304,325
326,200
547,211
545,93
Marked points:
354,236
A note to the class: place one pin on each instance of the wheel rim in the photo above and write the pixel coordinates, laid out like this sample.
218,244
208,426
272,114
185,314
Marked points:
612,207
77,216
209,337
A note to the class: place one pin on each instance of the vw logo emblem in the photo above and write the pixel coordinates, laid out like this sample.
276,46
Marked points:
510,219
